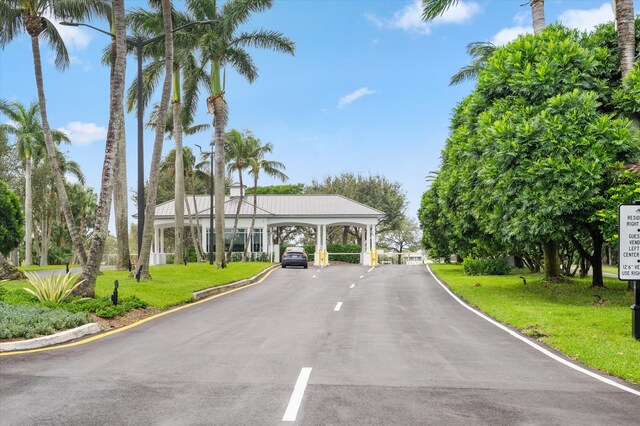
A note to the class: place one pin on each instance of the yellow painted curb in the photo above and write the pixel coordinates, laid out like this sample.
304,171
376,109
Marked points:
137,323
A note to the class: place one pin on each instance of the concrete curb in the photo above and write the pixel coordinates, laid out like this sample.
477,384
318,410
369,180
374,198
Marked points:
53,339
202,294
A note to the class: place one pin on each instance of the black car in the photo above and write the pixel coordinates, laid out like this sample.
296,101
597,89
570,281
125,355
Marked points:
294,256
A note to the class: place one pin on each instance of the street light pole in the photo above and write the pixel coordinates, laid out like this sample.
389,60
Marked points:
210,203
139,43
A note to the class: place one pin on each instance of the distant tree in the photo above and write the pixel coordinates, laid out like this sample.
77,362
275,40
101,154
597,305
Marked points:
374,191
406,237
11,219
293,189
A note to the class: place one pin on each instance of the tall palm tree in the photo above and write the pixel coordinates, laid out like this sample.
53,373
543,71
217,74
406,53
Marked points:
480,52
31,16
625,29
114,127
239,150
431,9
29,138
222,45
142,267
149,22
272,168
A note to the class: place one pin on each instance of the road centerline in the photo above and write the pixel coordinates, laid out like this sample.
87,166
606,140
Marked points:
296,397
338,306
352,286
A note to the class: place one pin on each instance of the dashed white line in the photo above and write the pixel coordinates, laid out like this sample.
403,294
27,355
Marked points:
352,286
338,306
313,276
361,276
534,345
296,397
372,268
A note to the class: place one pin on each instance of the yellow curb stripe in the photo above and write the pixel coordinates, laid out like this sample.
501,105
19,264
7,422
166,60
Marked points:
135,324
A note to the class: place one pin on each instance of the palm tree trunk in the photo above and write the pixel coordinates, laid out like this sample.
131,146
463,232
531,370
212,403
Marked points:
179,171
28,214
92,266
198,233
235,222
194,234
53,160
219,125
142,267
537,13
625,29
253,216
120,201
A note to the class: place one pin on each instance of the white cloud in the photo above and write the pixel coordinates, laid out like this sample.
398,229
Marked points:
410,17
506,35
351,97
75,38
587,20
84,133
521,18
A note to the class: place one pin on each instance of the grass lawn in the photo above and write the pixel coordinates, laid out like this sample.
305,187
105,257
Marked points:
170,284
610,269
44,268
565,316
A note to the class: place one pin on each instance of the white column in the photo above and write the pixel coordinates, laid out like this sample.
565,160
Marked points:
161,240
374,247
316,257
155,240
324,241
363,248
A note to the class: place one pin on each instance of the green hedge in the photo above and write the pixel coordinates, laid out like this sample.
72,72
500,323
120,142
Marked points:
486,266
334,248
28,321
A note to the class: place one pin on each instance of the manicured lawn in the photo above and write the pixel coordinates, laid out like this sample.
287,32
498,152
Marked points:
44,268
610,270
565,316
171,284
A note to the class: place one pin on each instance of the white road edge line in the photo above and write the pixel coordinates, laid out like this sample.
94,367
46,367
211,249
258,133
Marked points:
352,286
338,306
372,268
296,397
534,345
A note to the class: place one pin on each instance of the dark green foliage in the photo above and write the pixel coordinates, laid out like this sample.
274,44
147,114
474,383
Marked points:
11,220
297,188
336,248
103,307
28,321
486,266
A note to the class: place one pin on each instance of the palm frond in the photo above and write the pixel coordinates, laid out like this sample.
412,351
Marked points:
242,62
84,10
198,128
11,23
263,39
54,40
431,9
151,74
202,9
237,12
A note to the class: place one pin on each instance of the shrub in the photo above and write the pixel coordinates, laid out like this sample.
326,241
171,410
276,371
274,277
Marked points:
486,266
54,289
28,321
338,248
103,307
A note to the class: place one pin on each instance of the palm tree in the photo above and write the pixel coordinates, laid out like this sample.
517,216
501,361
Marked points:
480,52
25,126
142,267
271,168
148,23
625,29
31,16
239,150
221,46
431,9
114,127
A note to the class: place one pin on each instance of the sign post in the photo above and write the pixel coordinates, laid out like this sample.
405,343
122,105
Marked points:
629,261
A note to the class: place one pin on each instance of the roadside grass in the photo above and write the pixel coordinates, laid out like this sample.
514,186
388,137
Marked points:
44,268
610,269
170,284
595,330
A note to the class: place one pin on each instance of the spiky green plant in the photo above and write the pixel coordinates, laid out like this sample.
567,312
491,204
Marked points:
55,288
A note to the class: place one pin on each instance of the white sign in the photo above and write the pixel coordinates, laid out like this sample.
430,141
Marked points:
629,263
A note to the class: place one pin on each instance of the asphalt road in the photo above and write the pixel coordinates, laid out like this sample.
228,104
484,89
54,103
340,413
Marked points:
398,350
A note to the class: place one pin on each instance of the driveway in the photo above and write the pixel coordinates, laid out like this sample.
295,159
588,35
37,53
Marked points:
388,346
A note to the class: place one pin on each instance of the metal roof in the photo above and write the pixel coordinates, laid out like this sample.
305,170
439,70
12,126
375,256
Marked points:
278,205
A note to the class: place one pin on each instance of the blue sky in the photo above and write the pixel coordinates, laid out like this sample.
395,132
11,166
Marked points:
367,91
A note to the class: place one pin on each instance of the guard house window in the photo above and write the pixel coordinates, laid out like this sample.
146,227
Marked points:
256,245
238,242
